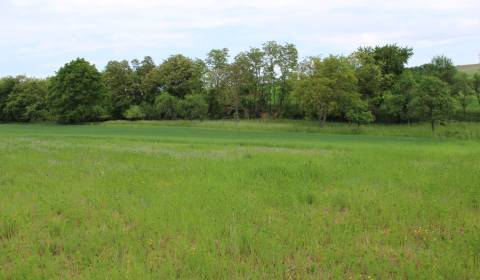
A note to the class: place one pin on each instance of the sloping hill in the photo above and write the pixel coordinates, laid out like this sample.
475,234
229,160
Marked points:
469,68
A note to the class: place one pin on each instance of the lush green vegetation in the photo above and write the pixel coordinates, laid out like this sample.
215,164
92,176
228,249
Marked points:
371,84
236,200
233,182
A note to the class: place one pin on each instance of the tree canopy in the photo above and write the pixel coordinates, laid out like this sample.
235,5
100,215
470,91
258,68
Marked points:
269,81
77,93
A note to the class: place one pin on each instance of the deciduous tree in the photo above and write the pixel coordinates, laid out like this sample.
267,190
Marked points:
27,101
434,101
180,75
119,79
77,93
462,90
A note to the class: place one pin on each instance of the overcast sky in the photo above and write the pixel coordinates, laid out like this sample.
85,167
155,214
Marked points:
39,36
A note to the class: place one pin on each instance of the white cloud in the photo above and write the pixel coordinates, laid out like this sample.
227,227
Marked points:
39,31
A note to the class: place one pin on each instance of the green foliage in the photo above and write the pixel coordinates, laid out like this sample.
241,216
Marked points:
443,68
194,106
179,75
476,85
327,87
392,58
370,77
398,101
7,84
166,106
266,82
134,113
462,90
434,102
145,81
378,69
119,79
216,79
240,84
280,62
27,101
77,93
359,113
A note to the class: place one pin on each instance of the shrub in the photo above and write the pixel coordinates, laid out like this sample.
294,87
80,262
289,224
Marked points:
166,106
27,101
135,112
194,106
358,113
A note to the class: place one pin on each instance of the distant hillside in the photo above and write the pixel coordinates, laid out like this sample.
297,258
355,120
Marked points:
469,68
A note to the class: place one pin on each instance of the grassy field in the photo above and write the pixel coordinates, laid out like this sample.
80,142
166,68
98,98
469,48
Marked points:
470,68
226,200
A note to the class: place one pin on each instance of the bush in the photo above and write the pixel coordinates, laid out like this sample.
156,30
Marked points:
7,84
135,112
166,106
149,111
358,113
27,101
194,106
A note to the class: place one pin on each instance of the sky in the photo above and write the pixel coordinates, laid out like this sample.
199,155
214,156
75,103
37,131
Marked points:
39,36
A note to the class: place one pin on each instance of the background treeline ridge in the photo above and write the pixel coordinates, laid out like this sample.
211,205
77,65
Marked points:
371,84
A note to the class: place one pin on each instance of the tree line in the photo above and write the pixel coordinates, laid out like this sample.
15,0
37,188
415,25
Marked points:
371,84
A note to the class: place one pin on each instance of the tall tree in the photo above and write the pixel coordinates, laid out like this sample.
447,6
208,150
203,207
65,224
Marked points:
327,87
179,76
476,85
119,79
142,68
287,64
378,69
462,90
370,77
239,82
398,100
392,58
217,64
443,68
216,78
280,62
255,57
434,101
76,93
145,88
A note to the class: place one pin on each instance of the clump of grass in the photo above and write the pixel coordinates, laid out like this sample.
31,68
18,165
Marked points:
340,202
310,198
8,228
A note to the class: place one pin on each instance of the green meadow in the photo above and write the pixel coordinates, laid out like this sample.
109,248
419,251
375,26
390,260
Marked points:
246,200
469,68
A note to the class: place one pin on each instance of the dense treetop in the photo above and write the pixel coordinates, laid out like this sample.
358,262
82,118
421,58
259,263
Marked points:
371,84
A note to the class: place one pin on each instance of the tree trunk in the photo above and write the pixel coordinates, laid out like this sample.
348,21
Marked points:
322,118
235,115
432,123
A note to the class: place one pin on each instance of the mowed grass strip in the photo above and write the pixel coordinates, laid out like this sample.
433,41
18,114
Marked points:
144,201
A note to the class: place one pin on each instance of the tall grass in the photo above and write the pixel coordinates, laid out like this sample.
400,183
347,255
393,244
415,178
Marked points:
221,200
